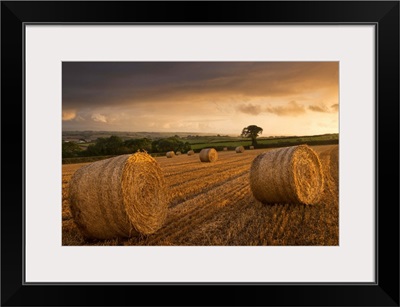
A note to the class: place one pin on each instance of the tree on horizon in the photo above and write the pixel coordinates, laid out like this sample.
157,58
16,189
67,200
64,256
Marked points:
252,132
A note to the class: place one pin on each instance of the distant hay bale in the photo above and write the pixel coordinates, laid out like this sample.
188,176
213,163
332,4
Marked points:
190,152
251,147
178,153
122,196
225,148
170,154
208,155
287,175
239,149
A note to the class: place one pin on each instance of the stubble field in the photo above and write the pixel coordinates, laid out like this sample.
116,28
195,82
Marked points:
211,204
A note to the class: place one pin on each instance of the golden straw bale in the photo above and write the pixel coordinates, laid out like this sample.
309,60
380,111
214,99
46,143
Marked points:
122,196
208,155
239,149
225,148
334,165
170,154
251,147
330,164
287,175
178,153
190,152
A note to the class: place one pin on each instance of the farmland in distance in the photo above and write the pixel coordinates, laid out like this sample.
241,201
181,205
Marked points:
212,205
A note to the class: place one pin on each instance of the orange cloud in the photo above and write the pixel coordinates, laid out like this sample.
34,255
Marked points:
99,118
68,115
250,109
335,107
291,109
322,109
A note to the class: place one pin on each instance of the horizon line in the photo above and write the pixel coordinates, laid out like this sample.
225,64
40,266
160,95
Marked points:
190,133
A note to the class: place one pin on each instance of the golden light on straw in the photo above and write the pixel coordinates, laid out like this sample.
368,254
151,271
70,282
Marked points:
287,175
119,197
208,155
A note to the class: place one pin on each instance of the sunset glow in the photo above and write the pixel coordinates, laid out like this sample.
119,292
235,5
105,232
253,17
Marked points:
284,98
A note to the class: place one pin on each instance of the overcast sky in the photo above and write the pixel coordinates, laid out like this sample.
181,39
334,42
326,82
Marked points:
284,98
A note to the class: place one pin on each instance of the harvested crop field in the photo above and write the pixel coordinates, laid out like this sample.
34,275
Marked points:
211,204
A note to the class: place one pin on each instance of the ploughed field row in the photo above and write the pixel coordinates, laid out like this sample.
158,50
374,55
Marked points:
212,204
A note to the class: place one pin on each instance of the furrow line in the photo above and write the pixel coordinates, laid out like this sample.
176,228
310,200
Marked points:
192,190
191,224
195,207
204,227
189,178
194,170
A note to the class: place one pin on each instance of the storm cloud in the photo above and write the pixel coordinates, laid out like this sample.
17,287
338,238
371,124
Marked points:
142,95
124,83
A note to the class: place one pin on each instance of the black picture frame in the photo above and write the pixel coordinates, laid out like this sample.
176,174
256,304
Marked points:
383,14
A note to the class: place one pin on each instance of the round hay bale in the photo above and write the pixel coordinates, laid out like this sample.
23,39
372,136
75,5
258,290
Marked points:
225,148
190,152
287,175
170,154
178,153
122,196
251,147
239,149
208,155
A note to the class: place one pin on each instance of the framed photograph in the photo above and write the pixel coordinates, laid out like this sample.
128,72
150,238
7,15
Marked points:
240,146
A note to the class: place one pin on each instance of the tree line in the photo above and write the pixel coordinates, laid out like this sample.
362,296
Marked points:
115,145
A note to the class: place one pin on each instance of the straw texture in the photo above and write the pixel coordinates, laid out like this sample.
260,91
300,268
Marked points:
239,149
122,196
287,175
330,165
170,154
208,155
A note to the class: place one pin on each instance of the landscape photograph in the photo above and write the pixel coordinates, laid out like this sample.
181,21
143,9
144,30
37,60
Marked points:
200,153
